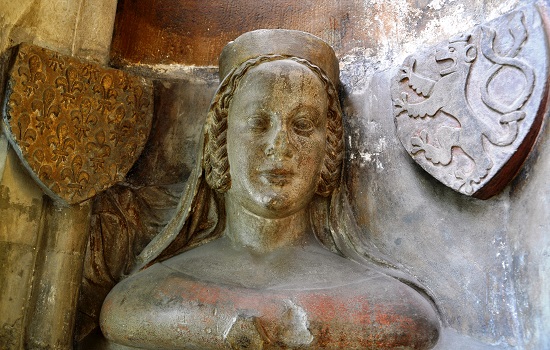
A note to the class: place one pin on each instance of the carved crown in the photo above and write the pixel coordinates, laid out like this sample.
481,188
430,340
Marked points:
462,37
281,42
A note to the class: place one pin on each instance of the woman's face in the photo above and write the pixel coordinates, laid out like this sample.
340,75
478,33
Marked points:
276,138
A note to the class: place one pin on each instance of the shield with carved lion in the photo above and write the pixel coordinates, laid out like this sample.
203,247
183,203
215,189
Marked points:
469,109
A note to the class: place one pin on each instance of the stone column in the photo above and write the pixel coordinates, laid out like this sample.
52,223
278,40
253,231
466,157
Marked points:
58,276
40,244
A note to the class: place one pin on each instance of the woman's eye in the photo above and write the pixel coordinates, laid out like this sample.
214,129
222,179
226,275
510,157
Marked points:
258,124
303,126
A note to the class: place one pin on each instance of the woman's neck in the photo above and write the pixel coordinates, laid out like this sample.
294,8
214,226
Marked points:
260,234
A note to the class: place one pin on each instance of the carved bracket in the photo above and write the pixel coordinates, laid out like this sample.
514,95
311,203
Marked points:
77,127
469,109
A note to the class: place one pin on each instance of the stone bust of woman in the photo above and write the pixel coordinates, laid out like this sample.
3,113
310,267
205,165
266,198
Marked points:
273,263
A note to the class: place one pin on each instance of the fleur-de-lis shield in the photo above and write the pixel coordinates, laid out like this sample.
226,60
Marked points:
60,115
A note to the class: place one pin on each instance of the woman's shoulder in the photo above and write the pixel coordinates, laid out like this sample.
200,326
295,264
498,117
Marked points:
295,267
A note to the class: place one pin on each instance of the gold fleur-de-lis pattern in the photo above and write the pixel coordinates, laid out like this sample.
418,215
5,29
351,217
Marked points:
78,127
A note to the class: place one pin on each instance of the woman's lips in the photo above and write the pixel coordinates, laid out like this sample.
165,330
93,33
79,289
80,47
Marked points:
277,176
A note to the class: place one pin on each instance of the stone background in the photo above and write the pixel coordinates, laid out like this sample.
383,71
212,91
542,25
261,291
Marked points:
487,262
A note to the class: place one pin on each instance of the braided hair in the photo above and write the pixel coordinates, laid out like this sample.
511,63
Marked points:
216,162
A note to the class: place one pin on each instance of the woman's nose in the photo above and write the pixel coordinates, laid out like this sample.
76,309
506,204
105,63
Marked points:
279,144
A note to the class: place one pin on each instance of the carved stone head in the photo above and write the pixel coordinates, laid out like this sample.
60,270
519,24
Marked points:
275,119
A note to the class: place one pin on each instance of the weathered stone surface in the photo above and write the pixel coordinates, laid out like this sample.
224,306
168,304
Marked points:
183,311
52,309
155,183
16,274
3,153
469,110
81,28
180,111
485,261
20,230
529,244
94,30
193,33
78,127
